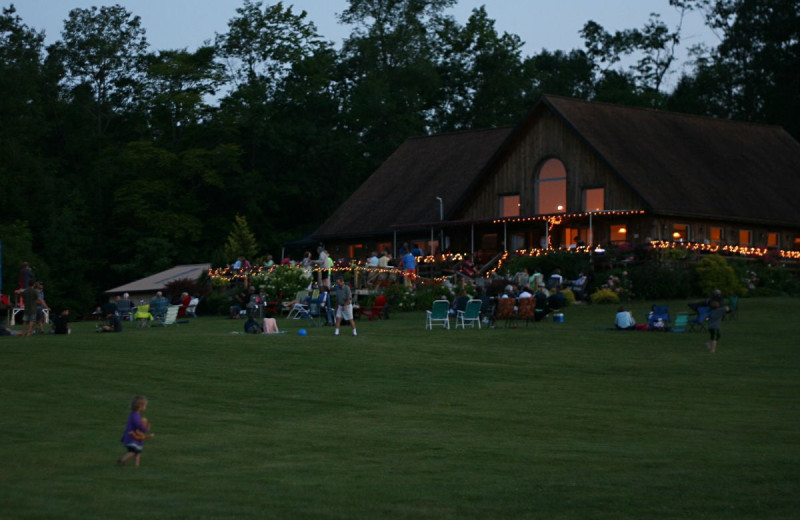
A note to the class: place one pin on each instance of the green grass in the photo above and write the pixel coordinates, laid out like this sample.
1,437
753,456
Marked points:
557,420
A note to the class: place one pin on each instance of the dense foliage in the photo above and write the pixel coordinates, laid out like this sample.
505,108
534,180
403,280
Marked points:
118,160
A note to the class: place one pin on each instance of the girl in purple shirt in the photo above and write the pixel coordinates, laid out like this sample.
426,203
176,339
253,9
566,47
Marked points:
135,431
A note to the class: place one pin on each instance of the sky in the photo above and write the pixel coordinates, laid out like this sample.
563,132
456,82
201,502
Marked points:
552,25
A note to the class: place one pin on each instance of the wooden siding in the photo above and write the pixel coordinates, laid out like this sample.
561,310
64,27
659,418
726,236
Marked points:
549,138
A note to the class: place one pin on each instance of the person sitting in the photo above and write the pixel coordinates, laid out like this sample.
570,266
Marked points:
186,299
251,326
542,309
61,323
5,331
158,305
460,302
557,300
467,267
555,280
579,286
624,319
114,323
525,292
125,307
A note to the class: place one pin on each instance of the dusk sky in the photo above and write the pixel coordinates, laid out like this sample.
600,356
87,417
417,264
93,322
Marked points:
552,25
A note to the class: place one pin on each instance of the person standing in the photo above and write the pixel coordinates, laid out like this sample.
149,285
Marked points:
718,311
25,276
322,263
410,268
344,306
31,299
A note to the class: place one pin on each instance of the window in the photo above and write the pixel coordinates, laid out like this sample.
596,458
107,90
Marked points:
509,205
551,186
772,240
745,237
715,235
680,233
619,233
594,199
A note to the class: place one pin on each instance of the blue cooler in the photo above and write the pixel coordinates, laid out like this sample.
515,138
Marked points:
558,317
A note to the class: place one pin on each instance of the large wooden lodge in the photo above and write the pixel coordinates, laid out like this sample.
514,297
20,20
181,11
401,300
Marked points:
580,171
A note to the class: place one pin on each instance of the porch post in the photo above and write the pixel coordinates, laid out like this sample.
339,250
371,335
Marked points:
505,236
591,231
472,240
432,251
547,234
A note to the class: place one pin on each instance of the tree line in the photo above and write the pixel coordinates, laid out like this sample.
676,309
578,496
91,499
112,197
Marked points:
118,160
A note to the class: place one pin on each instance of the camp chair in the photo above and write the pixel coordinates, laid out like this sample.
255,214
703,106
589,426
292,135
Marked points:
143,316
471,314
376,311
191,310
505,311
658,314
125,310
699,321
285,307
526,310
681,322
439,314
171,315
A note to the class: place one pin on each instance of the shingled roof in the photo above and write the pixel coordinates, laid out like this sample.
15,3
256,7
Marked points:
693,166
403,189
680,165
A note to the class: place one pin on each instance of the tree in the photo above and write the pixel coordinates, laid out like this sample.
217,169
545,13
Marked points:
241,241
390,80
754,72
176,85
654,47
483,75
102,51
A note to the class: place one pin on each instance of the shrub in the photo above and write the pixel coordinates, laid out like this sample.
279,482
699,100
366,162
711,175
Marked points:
400,298
283,279
604,295
713,272
654,281
569,295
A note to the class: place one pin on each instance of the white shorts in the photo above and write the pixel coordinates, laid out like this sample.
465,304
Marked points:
345,312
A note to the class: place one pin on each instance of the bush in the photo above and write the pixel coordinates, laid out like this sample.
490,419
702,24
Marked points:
713,272
400,298
285,280
657,282
569,295
604,295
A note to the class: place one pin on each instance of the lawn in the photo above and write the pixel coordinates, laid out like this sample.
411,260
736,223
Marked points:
555,420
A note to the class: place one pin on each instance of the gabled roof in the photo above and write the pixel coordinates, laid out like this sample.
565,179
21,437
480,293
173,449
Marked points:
679,165
158,281
403,189
693,166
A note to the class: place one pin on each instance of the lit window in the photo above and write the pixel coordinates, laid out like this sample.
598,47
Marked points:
715,235
619,233
772,240
551,188
594,199
680,233
745,237
509,206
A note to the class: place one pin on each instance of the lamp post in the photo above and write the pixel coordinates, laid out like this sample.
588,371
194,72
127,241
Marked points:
441,219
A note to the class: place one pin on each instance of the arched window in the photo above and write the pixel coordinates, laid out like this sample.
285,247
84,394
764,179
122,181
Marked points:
551,188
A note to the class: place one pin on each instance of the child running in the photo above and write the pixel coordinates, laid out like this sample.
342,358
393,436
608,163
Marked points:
136,431
715,323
